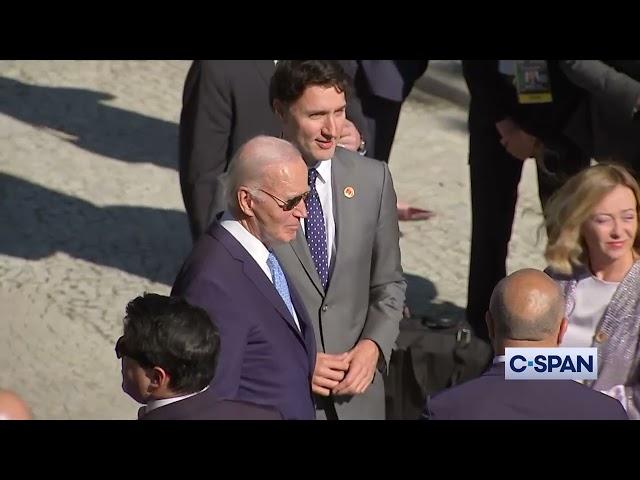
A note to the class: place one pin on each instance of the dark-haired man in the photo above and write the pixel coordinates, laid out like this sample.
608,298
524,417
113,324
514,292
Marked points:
345,259
169,353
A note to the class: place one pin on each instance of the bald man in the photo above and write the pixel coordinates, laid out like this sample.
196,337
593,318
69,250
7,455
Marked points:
12,407
526,310
267,344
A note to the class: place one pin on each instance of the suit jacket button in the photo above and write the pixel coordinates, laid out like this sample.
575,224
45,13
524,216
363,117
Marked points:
324,308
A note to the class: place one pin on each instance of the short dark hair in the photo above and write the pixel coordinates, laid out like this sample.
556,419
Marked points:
170,333
292,77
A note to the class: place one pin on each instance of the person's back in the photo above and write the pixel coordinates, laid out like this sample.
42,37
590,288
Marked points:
526,311
491,397
225,103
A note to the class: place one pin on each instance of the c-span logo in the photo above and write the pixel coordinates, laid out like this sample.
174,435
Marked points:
551,363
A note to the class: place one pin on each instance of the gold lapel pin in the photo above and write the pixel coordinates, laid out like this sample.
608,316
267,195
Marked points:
349,192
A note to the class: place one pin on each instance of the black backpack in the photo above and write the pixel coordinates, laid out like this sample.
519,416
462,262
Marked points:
428,359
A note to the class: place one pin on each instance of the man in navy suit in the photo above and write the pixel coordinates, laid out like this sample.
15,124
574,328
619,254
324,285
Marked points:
169,351
268,346
527,309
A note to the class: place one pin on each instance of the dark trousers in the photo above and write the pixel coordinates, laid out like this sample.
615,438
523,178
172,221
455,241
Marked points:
494,191
382,119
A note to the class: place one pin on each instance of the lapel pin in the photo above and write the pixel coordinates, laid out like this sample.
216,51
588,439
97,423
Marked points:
349,192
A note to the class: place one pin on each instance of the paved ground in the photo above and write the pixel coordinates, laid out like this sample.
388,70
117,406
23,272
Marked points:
91,216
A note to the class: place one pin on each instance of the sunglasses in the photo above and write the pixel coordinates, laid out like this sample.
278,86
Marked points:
120,348
123,351
290,204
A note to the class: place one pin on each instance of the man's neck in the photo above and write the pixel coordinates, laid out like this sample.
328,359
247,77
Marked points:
312,162
163,395
247,225
500,347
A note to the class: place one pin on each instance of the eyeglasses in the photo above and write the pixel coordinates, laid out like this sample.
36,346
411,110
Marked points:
288,204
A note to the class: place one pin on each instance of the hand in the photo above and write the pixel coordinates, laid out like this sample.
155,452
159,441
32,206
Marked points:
506,127
516,141
363,359
350,137
521,145
328,372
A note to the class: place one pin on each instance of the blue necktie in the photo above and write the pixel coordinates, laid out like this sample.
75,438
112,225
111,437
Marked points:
315,231
280,281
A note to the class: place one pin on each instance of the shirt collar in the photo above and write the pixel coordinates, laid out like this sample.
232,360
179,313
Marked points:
324,170
254,246
153,404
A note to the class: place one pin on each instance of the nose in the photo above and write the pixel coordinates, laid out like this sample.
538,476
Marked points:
300,210
329,128
615,229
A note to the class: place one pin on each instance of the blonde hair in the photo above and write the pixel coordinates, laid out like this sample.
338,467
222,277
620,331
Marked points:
572,205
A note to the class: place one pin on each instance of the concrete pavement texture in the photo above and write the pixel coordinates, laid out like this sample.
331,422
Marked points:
91,216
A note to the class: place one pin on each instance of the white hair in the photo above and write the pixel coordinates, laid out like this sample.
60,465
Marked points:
252,158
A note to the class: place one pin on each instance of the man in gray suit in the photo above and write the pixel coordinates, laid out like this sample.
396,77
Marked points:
345,260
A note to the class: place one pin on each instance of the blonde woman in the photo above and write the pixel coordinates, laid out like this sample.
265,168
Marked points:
592,225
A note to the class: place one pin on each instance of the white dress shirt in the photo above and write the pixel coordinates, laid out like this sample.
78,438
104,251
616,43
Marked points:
325,192
252,245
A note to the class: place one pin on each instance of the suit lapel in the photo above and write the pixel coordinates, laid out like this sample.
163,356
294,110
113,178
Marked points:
344,208
342,176
262,283
266,69
301,249
253,271
305,326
